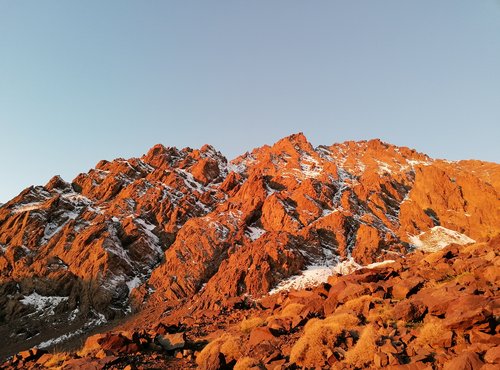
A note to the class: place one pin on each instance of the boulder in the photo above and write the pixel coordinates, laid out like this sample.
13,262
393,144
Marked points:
259,335
404,288
32,354
412,366
114,343
492,356
410,310
464,361
381,359
89,364
171,342
467,311
280,325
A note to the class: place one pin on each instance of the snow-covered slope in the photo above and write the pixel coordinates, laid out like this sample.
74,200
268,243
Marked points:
438,238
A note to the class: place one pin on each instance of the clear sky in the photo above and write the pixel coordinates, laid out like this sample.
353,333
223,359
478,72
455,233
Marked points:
87,80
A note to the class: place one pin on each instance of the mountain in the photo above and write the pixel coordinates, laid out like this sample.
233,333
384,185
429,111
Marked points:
187,232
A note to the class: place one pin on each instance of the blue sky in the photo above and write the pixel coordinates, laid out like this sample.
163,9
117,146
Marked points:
87,80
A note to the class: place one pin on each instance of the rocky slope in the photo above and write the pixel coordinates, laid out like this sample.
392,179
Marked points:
186,228
435,310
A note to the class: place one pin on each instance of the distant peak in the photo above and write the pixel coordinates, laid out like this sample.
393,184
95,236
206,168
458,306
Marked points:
299,137
207,148
295,140
156,150
160,155
159,150
56,182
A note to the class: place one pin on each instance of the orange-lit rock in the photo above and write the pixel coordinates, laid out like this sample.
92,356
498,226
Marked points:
183,224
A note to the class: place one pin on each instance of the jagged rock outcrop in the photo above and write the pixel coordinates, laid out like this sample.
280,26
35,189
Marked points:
186,225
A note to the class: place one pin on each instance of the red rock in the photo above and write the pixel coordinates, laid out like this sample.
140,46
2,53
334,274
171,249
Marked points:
259,335
369,241
388,348
116,343
466,311
276,364
380,359
489,367
280,325
44,358
214,233
464,361
86,364
492,356
314,307
330,305
269,302
101,354
32,354
406,338
393,359
437,301
476,336
404,288
351,291
412,366
25,355
171,342
410,310
446,340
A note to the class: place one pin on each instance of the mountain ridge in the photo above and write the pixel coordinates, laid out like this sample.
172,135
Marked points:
118,239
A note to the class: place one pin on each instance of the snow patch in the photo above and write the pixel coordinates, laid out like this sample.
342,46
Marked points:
324,153
134,283
270,191
43,304
99,320
76,198
412,162
342,186
221,229
311,276
27,207
310,167
316,274
378,264
203,207
73,314
53,228
237,168
152,240
438,238
327,212
62,338
383,168
254,233
190,181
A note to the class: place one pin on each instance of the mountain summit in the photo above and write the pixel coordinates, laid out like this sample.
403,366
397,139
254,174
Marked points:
186,229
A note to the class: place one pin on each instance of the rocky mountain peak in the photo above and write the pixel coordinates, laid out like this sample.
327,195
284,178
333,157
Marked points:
56,182
160,156
180,228
296,141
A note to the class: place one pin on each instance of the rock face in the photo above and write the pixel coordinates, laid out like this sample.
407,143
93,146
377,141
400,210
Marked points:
187,225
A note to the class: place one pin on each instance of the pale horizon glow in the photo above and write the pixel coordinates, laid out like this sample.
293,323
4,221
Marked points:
82,81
